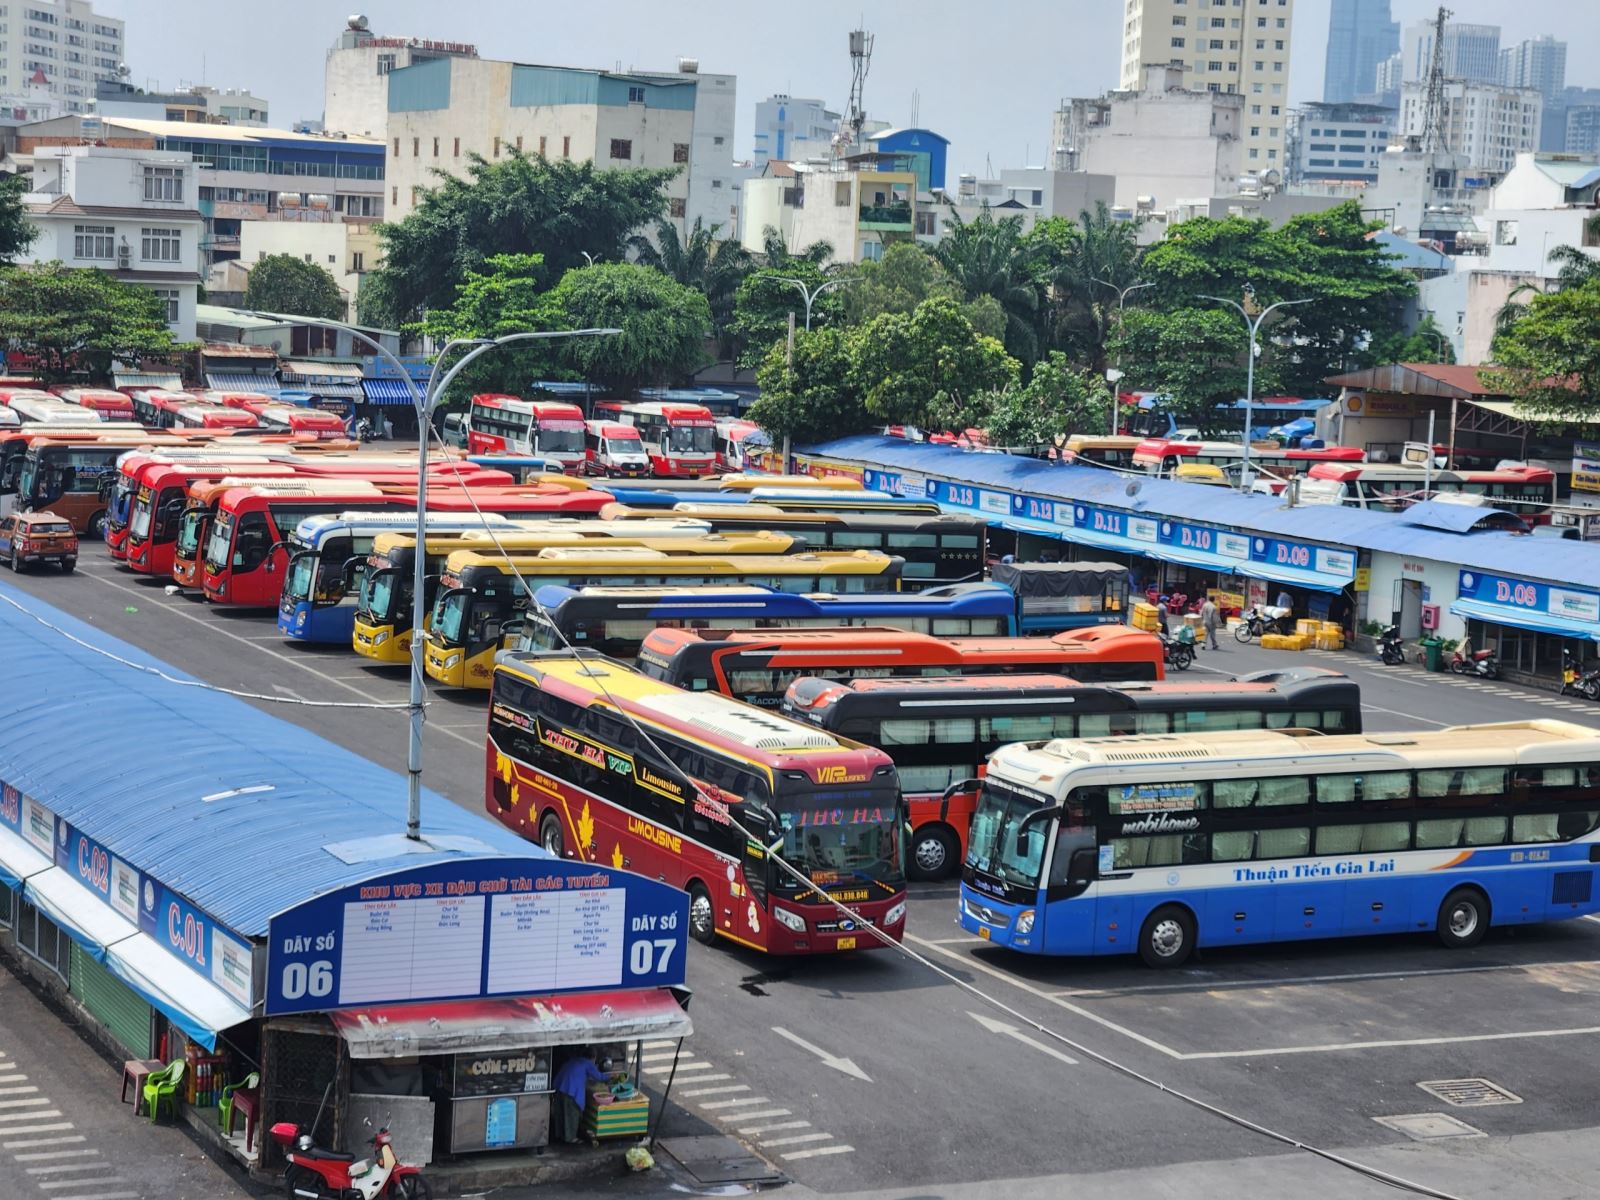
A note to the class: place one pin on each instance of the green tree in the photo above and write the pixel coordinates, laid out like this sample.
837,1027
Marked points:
762,305
1550,357
1085,266
986,257
664,325
1058,400
777,254
1576,268
816,398
1424,344
74,322
17,233
507,296
929,368
282,283
903,278
713,266
518,205
1195,356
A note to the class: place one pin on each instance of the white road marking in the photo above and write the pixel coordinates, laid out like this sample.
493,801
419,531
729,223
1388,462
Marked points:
50,1141
708,1079
31,1114
682,1067
752,1130
797,1139
764,1113
34,1102
1393,1043
1370,707
8,1066
80,1184
659,1045
713,1105
16,1091
663,1056
42,1155
35,1129
714,1091
1011,1031
1422,683
57,1168
828,1060
816,1152
1213,985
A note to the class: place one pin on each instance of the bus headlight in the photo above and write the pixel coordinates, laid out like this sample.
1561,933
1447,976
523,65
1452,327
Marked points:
452,660
381,638
896,914
788,919
1025,921
299,619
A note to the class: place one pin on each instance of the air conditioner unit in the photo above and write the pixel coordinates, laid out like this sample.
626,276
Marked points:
124,255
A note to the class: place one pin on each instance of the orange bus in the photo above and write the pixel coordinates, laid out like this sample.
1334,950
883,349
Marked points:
758,665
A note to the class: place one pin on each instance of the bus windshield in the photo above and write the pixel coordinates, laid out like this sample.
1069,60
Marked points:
139,527
194,520
378,592
560,437
302,576
449,616
841,836
220,543
992,843
691,439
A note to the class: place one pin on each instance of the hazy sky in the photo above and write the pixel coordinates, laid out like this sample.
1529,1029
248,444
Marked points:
983,74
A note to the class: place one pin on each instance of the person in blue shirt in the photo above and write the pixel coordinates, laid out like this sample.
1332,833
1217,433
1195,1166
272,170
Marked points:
572,1093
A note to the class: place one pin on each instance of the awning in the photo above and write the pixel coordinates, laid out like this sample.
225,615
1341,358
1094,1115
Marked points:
477,1026
1317,581
1523,618
19,859
388,391
243,381
194,1004
166,381
324,370
336,391
82,917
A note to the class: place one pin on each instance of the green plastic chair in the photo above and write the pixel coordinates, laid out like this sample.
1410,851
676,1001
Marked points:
163,1085
225,1103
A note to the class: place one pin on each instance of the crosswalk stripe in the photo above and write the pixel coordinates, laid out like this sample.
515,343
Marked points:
51,1141
682,1067
714,1104
657,1045
797,1139
103,1195
763,1114
35,1128
32,1102
664,1056
42,1155
752,1130
79,1183
32,1114
715,1091
813,1152
15,1091
57,1168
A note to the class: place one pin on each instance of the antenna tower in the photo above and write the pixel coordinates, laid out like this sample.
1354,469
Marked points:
1433,105
860,63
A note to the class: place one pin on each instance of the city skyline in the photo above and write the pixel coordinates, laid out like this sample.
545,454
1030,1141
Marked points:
989,91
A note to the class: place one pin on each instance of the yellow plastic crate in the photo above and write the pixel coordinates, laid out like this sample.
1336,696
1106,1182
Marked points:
1298,641
1273,641
1330,641
1333,627
1308,626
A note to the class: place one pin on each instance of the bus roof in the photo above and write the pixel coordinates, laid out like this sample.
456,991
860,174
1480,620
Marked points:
847,562
871,645
270,489
945,690
217,416
992,596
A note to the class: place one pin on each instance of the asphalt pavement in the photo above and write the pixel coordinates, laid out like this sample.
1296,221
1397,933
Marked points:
962,1067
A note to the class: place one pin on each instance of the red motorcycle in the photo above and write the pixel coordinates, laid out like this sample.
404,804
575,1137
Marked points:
317,1174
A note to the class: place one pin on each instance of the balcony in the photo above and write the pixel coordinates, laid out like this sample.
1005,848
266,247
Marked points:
888,217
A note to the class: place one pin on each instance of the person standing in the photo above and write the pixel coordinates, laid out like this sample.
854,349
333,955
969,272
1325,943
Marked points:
1210,619
1162,615
572,1093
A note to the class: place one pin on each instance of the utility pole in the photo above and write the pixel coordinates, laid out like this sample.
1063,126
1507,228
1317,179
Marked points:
1122,294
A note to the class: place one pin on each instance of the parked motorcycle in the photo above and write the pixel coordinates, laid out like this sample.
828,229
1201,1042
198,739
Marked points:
1177,653
1575,679
1268,618
317,1174
1391,648
1464,660
366,431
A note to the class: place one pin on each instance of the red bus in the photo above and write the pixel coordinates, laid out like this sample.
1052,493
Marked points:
681,439
134,464
213,416
157,409
112,406
194,527
758,665
231,399
162,493
1527,491
565,765
941,732
550,429
1162,456
313,424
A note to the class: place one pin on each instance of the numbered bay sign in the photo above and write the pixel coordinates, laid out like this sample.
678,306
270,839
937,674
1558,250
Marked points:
474,928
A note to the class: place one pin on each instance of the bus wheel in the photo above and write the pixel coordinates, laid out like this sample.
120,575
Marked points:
702,916
97,525
933,852
1463,918
550,835
1167,938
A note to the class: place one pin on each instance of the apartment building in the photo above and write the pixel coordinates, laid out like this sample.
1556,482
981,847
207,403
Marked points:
62,46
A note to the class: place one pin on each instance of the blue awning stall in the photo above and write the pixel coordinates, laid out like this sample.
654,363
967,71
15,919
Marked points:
387,391
1528,604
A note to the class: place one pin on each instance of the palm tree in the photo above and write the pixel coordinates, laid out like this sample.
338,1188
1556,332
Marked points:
1086,275
986,257
711,265
775,252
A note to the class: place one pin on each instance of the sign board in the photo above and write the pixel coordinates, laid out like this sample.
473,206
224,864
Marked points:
1303,556
1572,604
481,927
1586,467
1363,579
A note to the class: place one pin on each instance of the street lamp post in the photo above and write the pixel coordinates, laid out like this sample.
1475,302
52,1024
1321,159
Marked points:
1254,326
425,400
1122,294
809,295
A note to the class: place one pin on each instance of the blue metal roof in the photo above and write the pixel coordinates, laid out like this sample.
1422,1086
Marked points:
228,806
1460,518
1500,553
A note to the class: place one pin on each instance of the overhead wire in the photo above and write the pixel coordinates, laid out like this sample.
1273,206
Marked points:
1374,1173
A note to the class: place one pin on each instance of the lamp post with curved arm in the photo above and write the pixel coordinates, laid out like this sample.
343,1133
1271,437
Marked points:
1122,294
809,295
1253,324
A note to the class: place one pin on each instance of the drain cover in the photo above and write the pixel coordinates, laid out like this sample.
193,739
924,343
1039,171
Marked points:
716,1158
1469,1093
1429,1127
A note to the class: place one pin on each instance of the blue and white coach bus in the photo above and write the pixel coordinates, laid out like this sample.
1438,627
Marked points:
1158,844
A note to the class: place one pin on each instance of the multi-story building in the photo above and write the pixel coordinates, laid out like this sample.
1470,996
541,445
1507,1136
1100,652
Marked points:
1361,34
1470,52
856,205
790,128
1331,142
198,105
1239,48
1164,143
442,112
129,212
923,148
1032,193
63,46
1583,129
1391,75
355,78
242,173
1538,63
1487,123
714,184
347,250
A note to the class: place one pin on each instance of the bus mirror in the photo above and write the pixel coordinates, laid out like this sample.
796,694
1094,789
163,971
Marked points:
1037,815
961,788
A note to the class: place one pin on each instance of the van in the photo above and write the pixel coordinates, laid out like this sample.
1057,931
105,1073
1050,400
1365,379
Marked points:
456,427
614,449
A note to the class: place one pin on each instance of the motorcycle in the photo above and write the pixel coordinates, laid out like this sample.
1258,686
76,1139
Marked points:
1464,660
1575,679
313,1173
366,431
1178,653
1253,622
1391,648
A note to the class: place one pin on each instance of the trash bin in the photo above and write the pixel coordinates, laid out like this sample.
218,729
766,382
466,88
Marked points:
1432,653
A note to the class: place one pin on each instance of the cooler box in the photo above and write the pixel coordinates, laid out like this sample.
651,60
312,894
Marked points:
1308,627
617,1118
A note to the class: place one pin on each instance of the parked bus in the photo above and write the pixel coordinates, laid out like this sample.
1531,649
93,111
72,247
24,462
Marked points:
149,538
158,409
739,444
213,416
52,412
382,630
311,424
320,589
1116,451
508,425
107,404
482,598
194,527
757,666
1162,844
614,450
941,732
72,479
1530,492
616,620
1162,456
566,765
681,439
524,468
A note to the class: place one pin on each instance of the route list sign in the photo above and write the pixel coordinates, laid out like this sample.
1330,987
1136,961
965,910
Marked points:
481,927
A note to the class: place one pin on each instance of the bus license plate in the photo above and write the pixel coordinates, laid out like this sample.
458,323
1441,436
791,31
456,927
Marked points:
845,944
983,932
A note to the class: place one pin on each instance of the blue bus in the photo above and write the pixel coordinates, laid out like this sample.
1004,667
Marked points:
615,620
1161,844
524,468
318,602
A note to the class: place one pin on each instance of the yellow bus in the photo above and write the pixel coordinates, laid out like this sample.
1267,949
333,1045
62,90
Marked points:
482,597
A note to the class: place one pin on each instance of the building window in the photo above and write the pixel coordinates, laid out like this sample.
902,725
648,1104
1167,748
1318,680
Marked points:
436,147
163,183
566,146
1180,20
1255,131
455,147
716,183
1255,110
542,141
1254,153
497,147
169,303
1216,43
1213,66
718,140
841,194
635,96
678,206
621,148
385,63
1505,233
1177,43
357,262
394,194
160,245
680,152
1275,113
416,147
93,241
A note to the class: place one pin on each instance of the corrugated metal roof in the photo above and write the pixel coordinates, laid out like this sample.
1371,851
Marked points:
1501,553
1418,379
240,855
1460,518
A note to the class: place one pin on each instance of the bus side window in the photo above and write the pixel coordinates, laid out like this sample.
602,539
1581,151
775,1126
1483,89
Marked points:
252,542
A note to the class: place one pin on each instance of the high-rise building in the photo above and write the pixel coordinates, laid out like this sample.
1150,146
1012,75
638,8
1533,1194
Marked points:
792,129
1361,35
1243,49
1539,63
62,46
1339,141
1391,74
355,78
1470,52
1488,124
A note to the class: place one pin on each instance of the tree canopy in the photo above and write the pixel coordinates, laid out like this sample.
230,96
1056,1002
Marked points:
282,283
74,321
507,296
17,233
817,398
929,367
664,325
1550,357
1058,400
713,266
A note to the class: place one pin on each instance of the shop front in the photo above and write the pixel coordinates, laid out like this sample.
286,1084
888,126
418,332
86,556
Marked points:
386,392
1527,621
